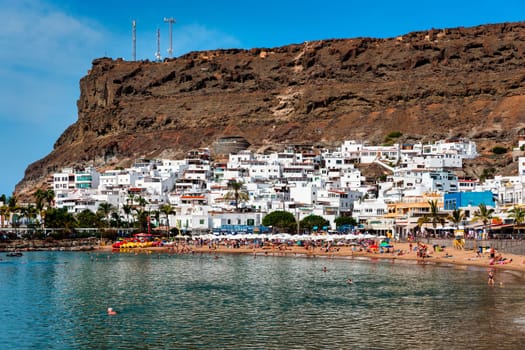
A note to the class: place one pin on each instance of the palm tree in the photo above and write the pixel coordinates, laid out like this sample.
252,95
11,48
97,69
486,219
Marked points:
61,218
131,199
456,217
518,214
39,198
167,210
12,202
30,212
484,215
143,214
434,217
4,212
142,219
116,219
142,202
42,197
105,209
126,208
13,208
237,192
49,197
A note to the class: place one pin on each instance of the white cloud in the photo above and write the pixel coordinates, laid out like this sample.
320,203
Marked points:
44,54
37,36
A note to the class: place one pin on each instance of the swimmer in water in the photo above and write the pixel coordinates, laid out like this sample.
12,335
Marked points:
349,281
111,312
491,278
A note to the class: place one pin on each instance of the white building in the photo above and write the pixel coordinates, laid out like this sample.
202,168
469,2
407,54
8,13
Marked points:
304,193
117,178
440,181
370,213
367,154
459,146
70,179
263,170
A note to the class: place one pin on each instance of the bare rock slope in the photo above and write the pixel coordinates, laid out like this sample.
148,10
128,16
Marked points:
462,82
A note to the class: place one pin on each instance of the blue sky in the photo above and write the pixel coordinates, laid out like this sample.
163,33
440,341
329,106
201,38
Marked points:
48,45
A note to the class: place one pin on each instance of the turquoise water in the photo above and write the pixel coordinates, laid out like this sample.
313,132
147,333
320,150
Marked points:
58,300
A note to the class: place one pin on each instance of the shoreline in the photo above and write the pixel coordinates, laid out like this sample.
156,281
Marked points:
448,256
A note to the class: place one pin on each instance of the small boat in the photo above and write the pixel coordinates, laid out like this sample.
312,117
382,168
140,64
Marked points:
14,254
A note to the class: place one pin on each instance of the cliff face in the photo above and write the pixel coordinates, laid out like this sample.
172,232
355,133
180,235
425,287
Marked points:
467,82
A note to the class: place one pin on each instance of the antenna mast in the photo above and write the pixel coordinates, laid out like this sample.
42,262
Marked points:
157,54
134,40
170,22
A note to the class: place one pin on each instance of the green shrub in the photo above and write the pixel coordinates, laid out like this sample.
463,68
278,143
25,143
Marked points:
499,150
394,134
488,173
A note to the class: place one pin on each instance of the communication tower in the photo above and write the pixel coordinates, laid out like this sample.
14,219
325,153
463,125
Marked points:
170,22
134,40
157,54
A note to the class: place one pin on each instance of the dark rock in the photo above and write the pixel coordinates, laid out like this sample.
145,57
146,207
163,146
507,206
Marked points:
427,85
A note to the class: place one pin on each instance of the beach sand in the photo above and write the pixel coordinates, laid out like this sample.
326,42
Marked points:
449,255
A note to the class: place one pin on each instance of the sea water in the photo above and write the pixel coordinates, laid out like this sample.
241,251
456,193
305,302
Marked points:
58,300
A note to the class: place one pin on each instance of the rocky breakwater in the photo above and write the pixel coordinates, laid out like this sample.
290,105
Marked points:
36,245
461,82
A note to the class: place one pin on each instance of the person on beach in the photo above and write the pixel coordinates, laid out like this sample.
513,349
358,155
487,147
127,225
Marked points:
491,278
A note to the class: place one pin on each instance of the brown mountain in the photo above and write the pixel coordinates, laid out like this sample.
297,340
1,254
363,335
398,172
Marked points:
462,82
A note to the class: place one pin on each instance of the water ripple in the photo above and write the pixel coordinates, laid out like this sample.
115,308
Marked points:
58,301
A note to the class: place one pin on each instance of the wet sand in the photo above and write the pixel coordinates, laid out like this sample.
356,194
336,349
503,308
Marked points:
449,255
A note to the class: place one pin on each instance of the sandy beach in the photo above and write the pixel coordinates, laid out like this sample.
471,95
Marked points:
449,255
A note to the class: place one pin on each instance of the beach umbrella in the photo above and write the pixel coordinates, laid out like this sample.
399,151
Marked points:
350,236
285,236
385,245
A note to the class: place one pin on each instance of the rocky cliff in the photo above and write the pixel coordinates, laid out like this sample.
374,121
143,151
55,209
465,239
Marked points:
467,82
